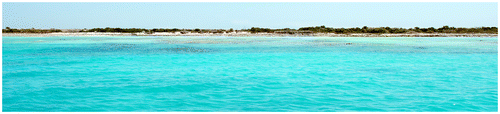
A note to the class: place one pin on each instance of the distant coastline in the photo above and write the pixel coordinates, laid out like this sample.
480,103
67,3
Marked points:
318,31
246,34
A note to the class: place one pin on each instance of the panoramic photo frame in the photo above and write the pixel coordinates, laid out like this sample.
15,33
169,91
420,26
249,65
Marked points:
249,57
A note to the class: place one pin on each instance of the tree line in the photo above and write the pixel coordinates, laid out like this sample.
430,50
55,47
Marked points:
365,29
134,30
33,30
317,29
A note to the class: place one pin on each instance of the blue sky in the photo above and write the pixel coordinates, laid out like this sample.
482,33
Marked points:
247,15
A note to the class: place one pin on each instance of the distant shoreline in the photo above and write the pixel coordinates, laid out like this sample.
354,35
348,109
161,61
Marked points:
253,34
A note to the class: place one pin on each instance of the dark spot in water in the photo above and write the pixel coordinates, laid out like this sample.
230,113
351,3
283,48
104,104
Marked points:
348,43
184,50
128,48
117,46
420,48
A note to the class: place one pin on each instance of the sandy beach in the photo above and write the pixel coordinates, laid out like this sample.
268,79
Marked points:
246,34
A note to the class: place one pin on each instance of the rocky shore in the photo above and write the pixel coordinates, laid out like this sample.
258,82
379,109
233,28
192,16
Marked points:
246,34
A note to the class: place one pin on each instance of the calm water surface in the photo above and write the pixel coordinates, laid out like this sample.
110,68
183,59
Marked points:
249,74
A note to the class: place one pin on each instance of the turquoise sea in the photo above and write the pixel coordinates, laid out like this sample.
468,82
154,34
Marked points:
288,74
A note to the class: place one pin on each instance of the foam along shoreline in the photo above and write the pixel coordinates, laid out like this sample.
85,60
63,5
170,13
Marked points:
246,34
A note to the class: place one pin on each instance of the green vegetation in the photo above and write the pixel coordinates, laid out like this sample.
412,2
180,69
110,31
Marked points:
33,30
197,30
107,29
365,29
134,30
317,29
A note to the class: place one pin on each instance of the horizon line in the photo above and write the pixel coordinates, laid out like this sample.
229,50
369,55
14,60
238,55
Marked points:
247,28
